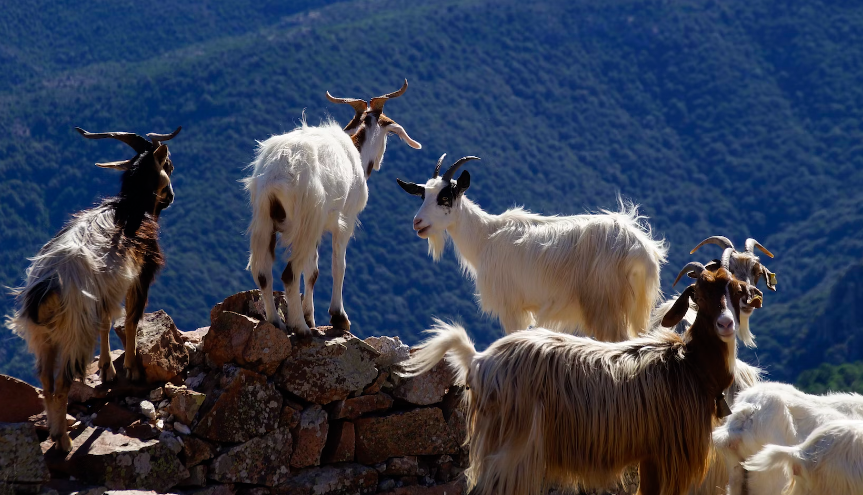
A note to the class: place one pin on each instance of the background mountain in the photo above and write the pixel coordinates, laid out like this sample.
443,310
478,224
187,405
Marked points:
741,118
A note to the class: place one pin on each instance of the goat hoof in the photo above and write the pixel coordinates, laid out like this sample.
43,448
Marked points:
310,320
63,443
340,321
133,374
302,331
109,374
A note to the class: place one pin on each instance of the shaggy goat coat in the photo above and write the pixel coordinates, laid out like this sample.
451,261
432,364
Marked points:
546,408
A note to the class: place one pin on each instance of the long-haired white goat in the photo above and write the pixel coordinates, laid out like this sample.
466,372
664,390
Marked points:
779,414
595,274
829,461
310,181
547,408
77,282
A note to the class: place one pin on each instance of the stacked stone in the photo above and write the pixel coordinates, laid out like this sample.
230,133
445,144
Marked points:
241,407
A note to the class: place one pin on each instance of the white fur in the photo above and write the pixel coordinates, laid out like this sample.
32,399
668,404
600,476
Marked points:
595,274
779,414
829,461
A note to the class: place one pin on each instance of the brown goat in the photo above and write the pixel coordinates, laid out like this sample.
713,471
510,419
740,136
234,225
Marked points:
546,408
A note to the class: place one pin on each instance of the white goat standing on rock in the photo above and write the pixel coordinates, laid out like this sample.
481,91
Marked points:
310,181
596,274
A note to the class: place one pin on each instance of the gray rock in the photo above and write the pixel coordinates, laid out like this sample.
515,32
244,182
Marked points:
391,350
21,461
260,461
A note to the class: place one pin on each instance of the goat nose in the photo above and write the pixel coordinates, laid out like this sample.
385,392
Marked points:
725,324
417,223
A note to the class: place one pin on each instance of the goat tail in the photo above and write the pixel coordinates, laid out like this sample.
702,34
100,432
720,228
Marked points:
772,457
448,340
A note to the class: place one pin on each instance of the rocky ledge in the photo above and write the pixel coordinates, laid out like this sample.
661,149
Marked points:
241,407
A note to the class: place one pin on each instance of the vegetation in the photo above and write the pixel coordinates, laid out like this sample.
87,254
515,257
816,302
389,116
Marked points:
846,377
740,118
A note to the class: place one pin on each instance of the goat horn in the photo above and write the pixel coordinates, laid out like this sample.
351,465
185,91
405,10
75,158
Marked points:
726,258
359,105
138,143
160,138
691,266
437,167
447,176
716,239
751,244
377,103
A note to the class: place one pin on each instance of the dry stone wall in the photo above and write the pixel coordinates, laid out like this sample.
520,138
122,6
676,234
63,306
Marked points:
242,408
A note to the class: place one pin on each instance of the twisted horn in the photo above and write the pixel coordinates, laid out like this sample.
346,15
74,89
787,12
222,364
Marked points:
136,142
691,266
716,239
437,167
160,138
377,103
447,176
751,244
726,258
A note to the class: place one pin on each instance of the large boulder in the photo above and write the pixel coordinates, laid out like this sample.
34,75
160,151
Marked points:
323,369
249,303
245,406
343,479
260,461
247,341
416,432
427,388
22,467
161,349
118,461
28,400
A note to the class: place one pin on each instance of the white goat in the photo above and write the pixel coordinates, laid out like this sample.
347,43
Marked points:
596,274
779,414
77,282
829,461
310,181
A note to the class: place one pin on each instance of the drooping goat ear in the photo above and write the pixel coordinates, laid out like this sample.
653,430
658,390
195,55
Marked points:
463,182
411,188
679,308
161,155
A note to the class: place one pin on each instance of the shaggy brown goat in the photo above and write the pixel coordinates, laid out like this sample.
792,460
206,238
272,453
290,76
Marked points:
546,408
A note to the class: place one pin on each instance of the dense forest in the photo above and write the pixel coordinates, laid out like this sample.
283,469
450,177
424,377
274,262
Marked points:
740,118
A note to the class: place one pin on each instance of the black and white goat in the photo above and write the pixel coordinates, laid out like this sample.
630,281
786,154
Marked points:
596,274
307,182
78,281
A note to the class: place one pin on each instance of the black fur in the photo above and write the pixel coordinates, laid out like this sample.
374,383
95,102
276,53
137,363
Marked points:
36,294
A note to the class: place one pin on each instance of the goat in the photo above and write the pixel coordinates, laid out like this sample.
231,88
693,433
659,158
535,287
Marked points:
550,408
77,282
779,414
830,460
598,274
307,182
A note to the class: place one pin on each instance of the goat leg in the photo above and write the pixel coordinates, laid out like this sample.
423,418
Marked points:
106,367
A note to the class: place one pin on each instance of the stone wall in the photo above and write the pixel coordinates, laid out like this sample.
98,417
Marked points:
241,407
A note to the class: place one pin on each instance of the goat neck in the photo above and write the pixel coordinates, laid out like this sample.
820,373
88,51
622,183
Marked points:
470,230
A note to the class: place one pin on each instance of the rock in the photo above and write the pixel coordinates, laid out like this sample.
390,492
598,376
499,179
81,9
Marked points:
391,350
248,303
171,441
290,417
197,451
118,461
22,467
452,488
28,400
343,479
311,437
114,416
156,394
160,347
376,385
266,348
148,409
402,466
457,424
428,388
142,430
195,336
260,461
341,443
40,421
356,407
321,370
197,476
87,389
185,404
214,490
227,338
417,432
247,406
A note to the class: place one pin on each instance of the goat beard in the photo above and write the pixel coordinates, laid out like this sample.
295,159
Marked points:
437,244
746,334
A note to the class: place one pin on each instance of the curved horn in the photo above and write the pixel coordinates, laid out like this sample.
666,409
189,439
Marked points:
437,167
447,176
726,258
377,103
716,239
751,244
691,266
357,104
160,138
138,143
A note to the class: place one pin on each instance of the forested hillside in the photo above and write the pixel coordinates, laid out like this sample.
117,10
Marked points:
741,118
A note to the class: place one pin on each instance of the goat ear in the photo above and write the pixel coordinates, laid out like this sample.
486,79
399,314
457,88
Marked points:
161,155
403,134
679,309
463,182
411,188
